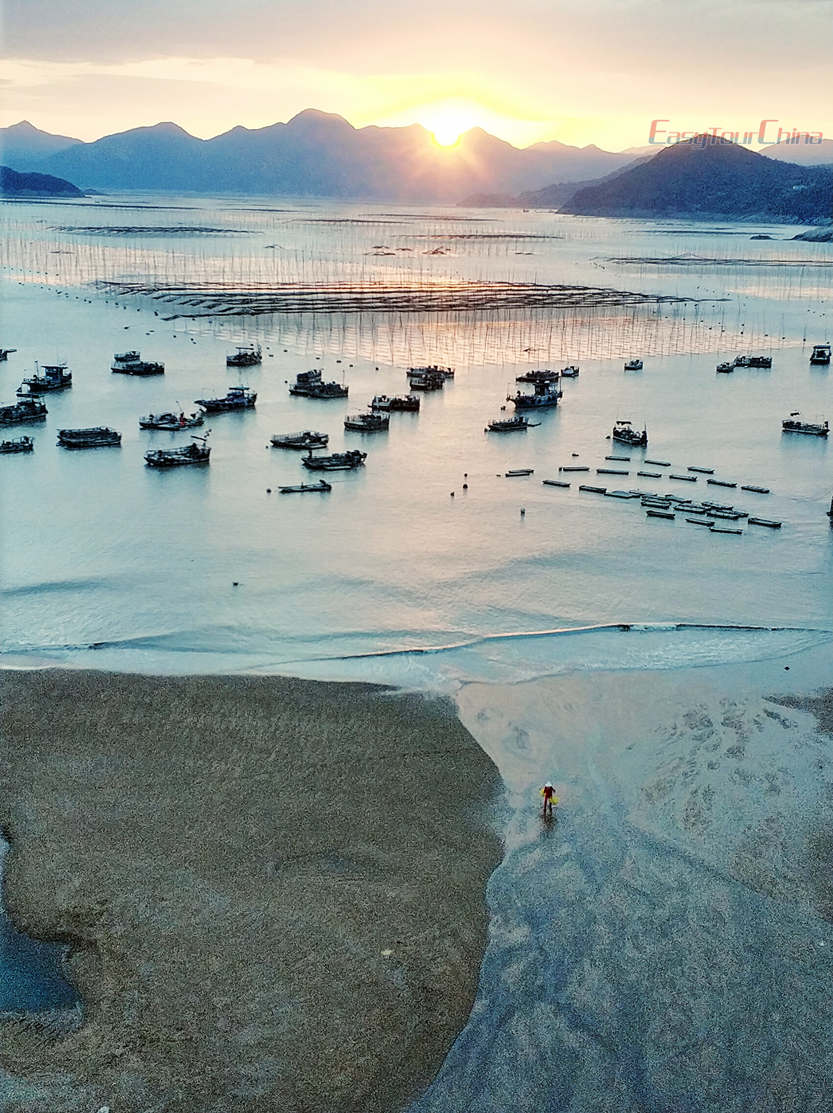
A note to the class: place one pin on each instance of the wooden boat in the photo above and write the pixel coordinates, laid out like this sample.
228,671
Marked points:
820,356
192,453
701,471
247,355
339,461
658,463
21,444
543,376
55,377
546,394
683,478
171,422
699,522
429,381
721,483
5,353
764,522
306,439
741,361
510,424
97,436
22,412
303,488
611,471
574,467
432,369
650,474
518,471
725,368
397,402
760,361
309,384
555,483
633,365
793,424
626,434
131,363
570,372
755,488
595,490
237,398
367,423
722,529
620,459
660,514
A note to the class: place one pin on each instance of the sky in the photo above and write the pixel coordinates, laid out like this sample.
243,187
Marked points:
580,71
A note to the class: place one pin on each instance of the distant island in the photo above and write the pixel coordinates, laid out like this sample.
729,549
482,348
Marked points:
14,184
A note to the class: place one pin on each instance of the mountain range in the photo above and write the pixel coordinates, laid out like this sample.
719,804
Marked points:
315,154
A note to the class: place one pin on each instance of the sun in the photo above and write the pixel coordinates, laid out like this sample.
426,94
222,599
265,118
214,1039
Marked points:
447,120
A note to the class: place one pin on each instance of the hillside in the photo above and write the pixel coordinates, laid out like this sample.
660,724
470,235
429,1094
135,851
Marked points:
720,178
25,145
13,184
318,154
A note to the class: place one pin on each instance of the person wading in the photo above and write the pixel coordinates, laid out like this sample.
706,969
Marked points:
548,792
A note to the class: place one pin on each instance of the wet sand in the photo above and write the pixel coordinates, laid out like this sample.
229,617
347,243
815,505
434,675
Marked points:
273,890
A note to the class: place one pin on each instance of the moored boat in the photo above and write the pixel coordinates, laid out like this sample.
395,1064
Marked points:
510,424
193,453
338,461
20,444
237,398
760,361
545,375
624,432
247,355
97,436
304,488
391,403
5,353
432,369
820,354
545,394
27,409
55,377
570,372
633,365
429,381
131,363
726,368
309,384
171,421
794,424
367,423
305,439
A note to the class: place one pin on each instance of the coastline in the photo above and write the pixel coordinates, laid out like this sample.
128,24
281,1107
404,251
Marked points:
273,888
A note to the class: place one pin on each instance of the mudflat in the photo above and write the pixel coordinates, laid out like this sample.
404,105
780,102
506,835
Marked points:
273,889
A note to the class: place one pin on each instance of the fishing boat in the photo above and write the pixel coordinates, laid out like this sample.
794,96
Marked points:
794,424
624,432
55,377
367,423
390,403
429,381
309,384
339,461
98,436
741,361
306,439
760,361
171,421
545,394
5,353
725,368
27,409
237,398
21,444
510,424
131,363
820,354
633,365
303,488
544,376
570,372
247,355
432,369
193,453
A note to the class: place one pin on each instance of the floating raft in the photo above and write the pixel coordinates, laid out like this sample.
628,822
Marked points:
756,489
684,478
610,471
702,471
518,471
595,490
555,483
659,463
623,459
721,483
660,514
650,474
574,467
764,522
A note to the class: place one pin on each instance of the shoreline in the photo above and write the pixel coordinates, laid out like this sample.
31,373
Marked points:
269,907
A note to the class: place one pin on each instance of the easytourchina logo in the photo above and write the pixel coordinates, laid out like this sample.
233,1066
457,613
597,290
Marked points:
767,132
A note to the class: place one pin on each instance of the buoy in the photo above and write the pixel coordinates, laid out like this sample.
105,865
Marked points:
523,511
465,486
235,583
452,494
268,490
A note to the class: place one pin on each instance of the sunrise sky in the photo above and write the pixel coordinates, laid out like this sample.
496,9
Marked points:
581,71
